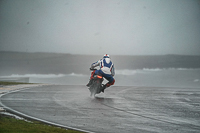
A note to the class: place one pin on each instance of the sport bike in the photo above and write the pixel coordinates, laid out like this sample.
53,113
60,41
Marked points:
96,86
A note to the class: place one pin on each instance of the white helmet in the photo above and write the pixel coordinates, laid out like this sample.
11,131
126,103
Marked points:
106,56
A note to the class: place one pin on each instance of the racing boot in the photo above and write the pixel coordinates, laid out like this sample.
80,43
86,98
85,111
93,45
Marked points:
103,88
107,85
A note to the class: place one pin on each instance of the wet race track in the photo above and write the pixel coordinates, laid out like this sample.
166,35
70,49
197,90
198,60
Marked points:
119,109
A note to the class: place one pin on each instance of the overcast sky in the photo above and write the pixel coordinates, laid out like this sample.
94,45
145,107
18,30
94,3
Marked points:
120,27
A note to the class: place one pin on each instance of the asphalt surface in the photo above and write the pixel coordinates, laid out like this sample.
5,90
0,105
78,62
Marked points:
119,109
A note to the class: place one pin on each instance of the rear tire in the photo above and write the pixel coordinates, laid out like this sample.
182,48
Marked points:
95,88
98,88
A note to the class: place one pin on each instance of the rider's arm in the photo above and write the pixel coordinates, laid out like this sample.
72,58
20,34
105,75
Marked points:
95,64
113,70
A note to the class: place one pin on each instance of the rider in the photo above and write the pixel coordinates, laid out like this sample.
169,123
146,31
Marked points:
107,70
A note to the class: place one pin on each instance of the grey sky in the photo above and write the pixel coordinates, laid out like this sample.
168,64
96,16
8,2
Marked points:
124,27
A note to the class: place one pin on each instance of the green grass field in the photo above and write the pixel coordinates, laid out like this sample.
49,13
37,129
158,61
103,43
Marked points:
9,124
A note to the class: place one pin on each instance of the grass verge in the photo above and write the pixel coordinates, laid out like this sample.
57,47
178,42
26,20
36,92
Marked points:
9,124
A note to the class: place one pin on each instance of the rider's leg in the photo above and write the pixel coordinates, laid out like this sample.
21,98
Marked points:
111,81
108,85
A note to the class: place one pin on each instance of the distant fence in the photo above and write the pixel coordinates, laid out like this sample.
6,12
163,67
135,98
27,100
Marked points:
15,79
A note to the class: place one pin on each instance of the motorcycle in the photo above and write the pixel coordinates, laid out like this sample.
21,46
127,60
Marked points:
96,86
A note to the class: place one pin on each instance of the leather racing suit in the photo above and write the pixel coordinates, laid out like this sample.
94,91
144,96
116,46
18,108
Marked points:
107,70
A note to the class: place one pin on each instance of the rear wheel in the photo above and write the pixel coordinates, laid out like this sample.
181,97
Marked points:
95,88
98,88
